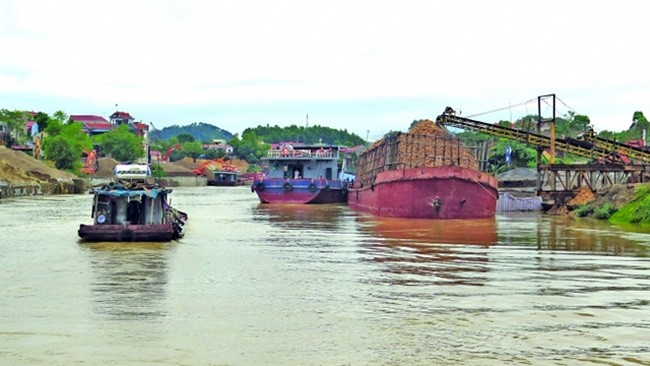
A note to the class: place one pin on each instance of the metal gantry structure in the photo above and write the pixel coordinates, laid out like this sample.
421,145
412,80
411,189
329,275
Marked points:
561,178
587,145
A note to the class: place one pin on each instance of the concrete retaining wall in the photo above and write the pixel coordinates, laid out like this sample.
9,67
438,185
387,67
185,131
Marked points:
196,181
52,186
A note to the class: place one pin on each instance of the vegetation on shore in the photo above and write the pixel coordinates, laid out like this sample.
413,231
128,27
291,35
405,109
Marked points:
636,211
69,142
620,204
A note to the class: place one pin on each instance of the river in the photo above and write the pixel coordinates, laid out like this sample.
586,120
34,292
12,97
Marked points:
253,284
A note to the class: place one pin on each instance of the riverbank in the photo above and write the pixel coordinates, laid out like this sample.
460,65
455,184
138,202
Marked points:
22,175
620,203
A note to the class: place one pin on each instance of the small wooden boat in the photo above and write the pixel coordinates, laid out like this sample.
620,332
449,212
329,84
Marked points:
133,210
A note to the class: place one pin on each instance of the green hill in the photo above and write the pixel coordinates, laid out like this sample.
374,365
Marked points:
309,135
199,130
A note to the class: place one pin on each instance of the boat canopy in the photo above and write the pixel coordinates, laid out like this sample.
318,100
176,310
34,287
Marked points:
153,193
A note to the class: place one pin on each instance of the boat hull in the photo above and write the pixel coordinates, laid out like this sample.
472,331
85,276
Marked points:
217,183
447,192
128,233
303,191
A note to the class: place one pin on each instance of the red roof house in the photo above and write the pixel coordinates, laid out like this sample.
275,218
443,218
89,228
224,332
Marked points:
92,125
121,118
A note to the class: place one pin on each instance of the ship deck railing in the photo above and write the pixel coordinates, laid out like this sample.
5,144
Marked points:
300,153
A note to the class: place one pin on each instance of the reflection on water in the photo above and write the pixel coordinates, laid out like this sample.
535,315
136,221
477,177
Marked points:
295,216
428,252
571,234
481,232
129,279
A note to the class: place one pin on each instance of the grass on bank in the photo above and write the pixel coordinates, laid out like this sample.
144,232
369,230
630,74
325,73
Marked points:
603,212
636,211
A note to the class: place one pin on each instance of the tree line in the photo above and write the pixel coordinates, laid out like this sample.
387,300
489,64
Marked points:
63,141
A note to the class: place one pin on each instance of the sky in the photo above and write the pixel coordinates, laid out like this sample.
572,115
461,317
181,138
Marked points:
366,66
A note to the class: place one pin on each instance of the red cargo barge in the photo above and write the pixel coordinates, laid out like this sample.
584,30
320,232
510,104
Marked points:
425,173
428,193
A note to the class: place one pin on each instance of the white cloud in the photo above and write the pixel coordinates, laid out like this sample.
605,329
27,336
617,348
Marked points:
481,55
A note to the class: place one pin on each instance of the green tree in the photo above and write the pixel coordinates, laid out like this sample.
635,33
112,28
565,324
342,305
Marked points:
308,135
193,149
579,122
521,154
42,120
185,137
66,147
60,150
15,123
250,147
61,117
122,144
639,124
213,154
56,123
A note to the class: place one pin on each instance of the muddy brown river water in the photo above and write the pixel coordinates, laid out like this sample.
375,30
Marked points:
320,285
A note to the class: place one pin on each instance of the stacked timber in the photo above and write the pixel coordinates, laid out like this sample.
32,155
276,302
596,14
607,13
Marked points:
425,145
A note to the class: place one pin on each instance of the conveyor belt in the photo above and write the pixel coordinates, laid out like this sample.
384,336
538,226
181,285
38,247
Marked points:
588,146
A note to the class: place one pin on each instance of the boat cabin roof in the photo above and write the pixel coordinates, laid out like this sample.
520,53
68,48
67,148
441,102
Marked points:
130,189
153,193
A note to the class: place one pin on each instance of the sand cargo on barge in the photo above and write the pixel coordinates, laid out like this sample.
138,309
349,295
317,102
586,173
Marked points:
425,173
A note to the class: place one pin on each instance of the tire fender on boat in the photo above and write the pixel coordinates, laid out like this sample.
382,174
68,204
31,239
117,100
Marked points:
260,186
287,187
312,187
126,235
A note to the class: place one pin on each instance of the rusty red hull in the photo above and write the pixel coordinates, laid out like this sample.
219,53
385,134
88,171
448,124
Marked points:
447,192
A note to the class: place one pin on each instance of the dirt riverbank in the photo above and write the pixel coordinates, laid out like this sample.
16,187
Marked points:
21,175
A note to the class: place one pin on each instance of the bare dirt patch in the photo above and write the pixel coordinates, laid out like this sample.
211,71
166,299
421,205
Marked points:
18,167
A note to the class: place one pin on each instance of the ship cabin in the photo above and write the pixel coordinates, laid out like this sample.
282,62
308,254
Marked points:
303,162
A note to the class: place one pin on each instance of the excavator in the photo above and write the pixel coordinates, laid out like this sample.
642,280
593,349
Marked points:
218,164
170,150
218,172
